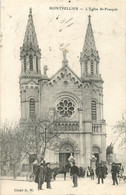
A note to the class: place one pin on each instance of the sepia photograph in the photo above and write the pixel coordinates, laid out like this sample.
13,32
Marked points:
63,97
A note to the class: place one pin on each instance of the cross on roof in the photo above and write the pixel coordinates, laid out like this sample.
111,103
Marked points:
89,17
30,11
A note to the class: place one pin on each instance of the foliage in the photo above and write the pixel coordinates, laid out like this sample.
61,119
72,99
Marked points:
119,130
38,136
28,137
11,145
109,149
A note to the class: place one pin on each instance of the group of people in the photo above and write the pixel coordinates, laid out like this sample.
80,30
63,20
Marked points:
102,171
43,174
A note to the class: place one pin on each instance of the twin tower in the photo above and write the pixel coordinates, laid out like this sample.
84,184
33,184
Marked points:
78,99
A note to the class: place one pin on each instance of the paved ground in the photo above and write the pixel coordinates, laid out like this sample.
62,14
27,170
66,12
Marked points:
86,186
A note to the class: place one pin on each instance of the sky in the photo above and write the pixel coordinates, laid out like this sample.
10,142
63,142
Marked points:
56,29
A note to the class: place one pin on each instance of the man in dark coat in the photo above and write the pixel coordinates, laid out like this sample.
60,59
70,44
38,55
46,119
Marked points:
92,173
39,176
55,173
105,171
64,172
74,172
48,176
114,171
100,173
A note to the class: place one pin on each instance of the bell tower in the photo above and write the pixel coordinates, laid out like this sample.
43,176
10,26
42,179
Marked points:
30,56
92,93
89,57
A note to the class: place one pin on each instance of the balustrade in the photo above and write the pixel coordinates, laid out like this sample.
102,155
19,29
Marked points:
96,128
66,127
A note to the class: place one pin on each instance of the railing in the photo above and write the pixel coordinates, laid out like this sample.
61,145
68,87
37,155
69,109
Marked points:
66,126
96,128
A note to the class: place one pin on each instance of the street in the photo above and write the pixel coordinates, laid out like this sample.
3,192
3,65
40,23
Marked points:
86,186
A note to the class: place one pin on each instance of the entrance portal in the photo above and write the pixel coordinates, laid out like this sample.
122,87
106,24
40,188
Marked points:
63,159
96,152
65,151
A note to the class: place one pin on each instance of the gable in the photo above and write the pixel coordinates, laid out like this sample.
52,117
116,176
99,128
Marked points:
65,71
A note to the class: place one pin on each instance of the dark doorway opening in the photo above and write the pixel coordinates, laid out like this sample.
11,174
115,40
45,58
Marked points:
63,159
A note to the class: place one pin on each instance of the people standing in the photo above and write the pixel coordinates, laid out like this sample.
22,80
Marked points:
55,173
100,173
114,172
92,173
64,172
48,176
105,171
88,171
74,173
39,176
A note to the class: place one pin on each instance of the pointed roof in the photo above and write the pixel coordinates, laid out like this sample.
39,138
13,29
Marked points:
30,39
89,44
63,68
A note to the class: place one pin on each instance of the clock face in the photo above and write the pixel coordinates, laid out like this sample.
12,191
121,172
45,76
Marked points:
66,108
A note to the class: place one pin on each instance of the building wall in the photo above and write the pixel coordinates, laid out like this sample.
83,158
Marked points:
85,135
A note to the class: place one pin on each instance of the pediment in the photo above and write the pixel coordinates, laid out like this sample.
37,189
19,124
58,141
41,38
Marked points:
31,82
65,71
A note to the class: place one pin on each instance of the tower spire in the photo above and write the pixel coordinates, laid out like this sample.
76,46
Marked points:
30,39
89,57
89,44
30,54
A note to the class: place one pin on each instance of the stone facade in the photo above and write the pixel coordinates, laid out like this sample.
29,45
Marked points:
78,99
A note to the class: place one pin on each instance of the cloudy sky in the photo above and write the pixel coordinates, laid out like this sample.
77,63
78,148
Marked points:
56,29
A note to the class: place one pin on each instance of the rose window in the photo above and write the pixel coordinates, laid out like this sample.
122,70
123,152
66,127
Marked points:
66,108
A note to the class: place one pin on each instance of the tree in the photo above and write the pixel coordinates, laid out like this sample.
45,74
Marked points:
119,131
40,135
11,144
28,137
109,149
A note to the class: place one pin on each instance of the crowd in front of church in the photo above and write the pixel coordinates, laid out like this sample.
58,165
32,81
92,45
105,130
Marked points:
45,174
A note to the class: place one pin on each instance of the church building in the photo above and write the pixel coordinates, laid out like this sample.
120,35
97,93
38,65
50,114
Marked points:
78,99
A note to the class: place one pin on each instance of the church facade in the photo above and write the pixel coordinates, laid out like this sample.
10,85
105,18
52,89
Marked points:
78,99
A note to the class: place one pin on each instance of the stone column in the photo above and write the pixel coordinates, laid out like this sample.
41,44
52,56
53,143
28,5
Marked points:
103,144
22,65
97,68
39,65
80,110
51,113
94,67
27,64
82,69
56,157
34,63
89,67
88,146
102,115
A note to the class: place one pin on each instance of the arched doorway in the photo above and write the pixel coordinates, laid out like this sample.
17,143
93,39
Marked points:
64,153
96,152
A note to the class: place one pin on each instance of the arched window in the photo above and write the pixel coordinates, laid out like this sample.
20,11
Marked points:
93,110
86,67
37,64
32,107
31,62
92,67
25,64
